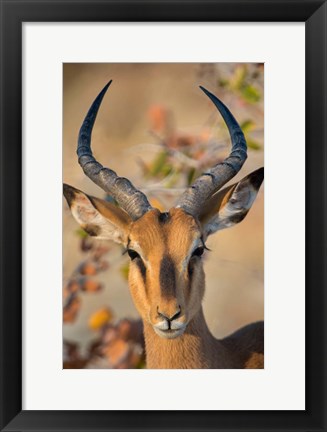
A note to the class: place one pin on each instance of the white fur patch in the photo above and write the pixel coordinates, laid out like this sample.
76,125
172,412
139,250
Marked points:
162,325
176,325
86,214
230,214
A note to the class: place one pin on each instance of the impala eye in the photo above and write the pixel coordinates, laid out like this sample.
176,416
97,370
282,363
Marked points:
198,251
132,254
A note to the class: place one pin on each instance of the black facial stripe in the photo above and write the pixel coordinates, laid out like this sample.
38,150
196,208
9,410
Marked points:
167,277
141,267
190,269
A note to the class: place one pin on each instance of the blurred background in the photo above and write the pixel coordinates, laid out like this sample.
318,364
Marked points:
156,127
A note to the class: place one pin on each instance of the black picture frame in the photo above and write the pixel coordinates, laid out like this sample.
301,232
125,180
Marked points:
13,14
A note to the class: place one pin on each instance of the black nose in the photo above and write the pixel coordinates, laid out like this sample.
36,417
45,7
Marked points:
171,318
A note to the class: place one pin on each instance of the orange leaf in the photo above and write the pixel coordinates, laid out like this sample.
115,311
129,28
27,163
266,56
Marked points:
124,328
71,310
72,286
88,268
158,117
91,285
117,351
99,318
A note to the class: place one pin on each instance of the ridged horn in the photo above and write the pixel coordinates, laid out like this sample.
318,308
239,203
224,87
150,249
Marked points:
133,201
212,180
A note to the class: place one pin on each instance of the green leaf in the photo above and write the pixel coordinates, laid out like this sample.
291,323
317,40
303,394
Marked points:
222,82
247,126
81,233
254,145
250,93
158,164
172,180
237,81
141,364
166,170
124,270
191,176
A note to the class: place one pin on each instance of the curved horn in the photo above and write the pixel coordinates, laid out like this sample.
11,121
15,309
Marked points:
213,179
133,201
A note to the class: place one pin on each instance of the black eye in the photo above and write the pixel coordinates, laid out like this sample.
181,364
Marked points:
132,254
198,251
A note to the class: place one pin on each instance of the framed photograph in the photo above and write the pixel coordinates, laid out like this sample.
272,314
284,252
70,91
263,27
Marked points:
122,308
120,329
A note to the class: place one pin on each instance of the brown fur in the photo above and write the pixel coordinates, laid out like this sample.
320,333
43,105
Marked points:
198,349
166,278
156,243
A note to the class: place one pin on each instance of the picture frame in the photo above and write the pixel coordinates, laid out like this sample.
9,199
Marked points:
13,14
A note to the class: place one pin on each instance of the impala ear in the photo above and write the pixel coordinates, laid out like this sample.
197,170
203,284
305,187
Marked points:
97,217
229,206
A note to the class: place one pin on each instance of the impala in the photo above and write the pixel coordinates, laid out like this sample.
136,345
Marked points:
166,276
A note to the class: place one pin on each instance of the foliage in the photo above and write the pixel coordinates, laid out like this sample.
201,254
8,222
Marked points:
118,344
180,156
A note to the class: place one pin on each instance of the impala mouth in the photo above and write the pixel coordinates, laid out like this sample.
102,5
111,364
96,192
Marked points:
169,334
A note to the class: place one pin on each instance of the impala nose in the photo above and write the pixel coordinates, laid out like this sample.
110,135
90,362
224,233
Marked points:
171,317
170,325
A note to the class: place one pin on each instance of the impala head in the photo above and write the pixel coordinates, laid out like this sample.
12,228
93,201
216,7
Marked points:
166,275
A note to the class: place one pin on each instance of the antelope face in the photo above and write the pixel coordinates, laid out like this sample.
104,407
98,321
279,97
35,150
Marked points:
166,276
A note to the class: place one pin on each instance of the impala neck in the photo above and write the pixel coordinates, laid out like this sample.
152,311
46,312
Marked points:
195,349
